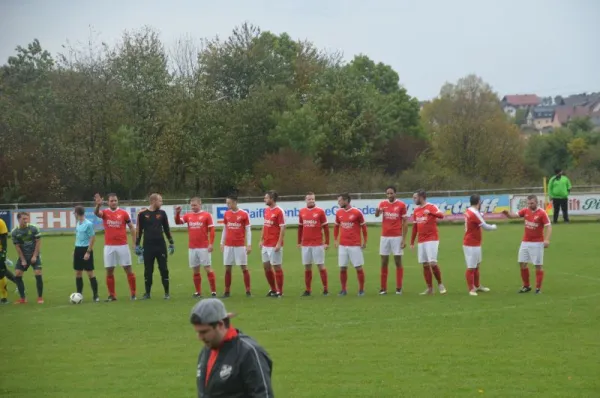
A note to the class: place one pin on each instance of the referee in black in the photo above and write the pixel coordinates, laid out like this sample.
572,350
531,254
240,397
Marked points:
83,255
154,223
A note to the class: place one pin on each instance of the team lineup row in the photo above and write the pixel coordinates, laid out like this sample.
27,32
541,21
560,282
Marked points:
350,239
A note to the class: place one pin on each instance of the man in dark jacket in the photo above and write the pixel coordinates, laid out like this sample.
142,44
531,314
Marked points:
231,364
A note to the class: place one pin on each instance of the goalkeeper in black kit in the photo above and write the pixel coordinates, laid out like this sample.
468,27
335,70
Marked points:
152,223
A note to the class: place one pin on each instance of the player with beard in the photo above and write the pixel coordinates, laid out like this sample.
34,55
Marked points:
271,244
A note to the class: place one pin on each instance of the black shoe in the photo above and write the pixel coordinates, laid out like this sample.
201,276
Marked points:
382,292
226,295
272,294
306,294
325,293
399,291
248,294
167,296
146,296
96,299
3,301
343,293
278,295
213,294
538,291
110,298
197,295
133,298
525,289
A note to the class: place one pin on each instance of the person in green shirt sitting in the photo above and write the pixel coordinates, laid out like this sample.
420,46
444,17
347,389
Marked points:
559,188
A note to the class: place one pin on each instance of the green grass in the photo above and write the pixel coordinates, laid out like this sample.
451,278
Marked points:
499,344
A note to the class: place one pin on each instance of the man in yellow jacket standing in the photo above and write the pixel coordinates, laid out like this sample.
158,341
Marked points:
559,188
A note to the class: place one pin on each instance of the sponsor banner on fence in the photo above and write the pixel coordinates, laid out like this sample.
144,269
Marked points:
453,207
579,204
63,220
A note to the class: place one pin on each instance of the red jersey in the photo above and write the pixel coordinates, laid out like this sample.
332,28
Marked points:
199,225
235,223
310,226
350,222
392,217
115,226
535,221
426,224
473,222
274,220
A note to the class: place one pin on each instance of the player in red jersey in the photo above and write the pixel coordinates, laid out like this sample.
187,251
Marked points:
474,222
394,227
312,225
536,238
201,237
271,243
349,222
116,250
236,243
425,225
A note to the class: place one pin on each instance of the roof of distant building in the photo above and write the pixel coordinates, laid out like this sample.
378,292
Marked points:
521,99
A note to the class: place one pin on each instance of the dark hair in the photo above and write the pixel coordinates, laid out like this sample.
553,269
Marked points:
232,196
532,197
421,193
475,198
393,188
21,214
557,170
195,320
345,196
79,210
273,195
110,195
309,193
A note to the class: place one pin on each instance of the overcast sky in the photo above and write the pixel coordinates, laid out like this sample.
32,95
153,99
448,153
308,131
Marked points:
546,47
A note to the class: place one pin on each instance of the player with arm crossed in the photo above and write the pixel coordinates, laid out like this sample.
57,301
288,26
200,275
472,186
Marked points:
312,226
236,243
116,249
271,244
28,243
83,254
349,223
425,226
474,222
201,237
154,222
536,238
394,227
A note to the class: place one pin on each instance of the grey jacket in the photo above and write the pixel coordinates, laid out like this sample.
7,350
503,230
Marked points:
242,370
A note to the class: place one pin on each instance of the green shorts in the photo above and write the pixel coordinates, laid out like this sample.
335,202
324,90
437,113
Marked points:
36,266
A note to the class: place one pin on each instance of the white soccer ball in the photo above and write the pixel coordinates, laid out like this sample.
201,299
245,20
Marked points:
76,298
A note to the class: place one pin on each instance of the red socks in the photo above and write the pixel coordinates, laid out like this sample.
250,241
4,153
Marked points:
399,277
384,276
344,278
110,284
279,279
525,276
470,276
212,281
131,281
539,277
308,279
246,279
428,276
227,280
476,277
270,275
323,273
198,283
361,279
437,273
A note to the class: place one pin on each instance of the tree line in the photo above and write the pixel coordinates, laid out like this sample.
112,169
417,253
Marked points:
248,113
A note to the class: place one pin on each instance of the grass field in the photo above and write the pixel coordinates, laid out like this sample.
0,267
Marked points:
499,344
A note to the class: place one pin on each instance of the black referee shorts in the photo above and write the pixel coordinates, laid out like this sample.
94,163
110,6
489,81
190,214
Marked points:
79,264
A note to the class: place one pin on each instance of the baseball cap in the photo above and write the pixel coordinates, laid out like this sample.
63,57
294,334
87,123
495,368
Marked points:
208,311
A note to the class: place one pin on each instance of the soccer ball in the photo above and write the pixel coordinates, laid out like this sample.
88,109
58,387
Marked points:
76,298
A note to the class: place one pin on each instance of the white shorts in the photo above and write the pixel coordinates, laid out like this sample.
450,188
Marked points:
199,257
428,252
532,252
350,254
235,255
117,255
269,255
313,255
472,256
390,245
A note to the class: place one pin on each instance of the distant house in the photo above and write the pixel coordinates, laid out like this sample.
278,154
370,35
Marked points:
541,118
510,103
578,99
563,114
